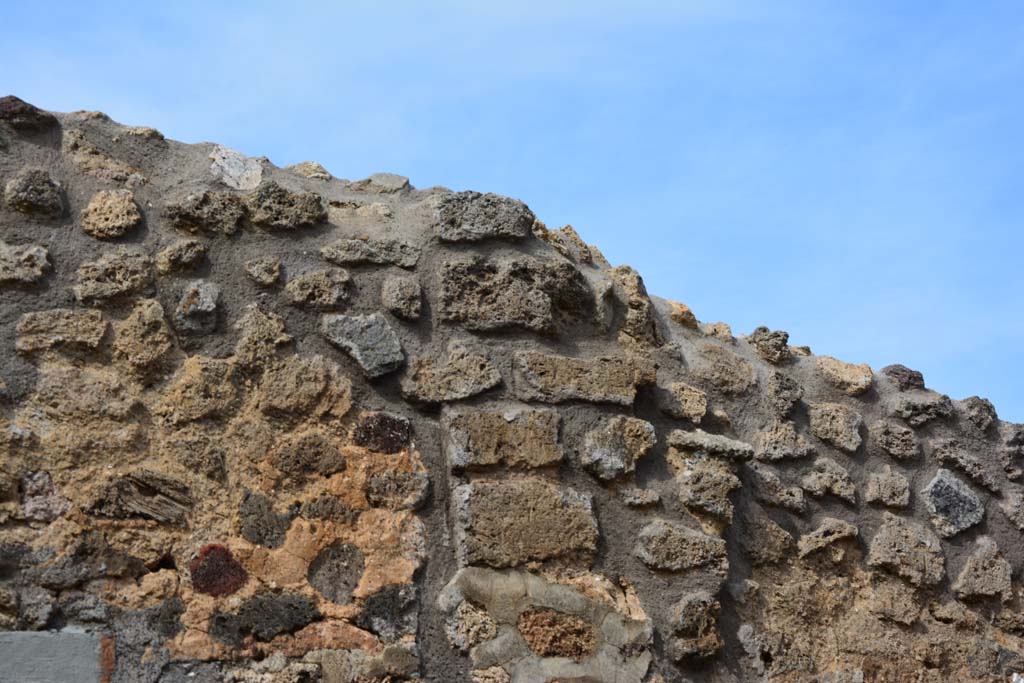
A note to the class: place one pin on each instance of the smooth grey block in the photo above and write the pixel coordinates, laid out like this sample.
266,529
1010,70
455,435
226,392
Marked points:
49,657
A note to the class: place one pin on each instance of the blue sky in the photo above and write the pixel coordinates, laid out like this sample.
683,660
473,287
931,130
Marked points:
850,172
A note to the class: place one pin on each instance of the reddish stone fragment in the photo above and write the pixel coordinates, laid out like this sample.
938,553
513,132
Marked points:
216,572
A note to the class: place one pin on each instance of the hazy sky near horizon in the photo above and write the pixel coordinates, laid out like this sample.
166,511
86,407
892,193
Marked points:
849,172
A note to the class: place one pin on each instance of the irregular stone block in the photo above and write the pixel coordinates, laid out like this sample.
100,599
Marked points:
950,452
369,339
462,373
115,275
514,436
265,272
179,256
695,627
612,449
829,532
723,369
196,312
909,550
263,617
381,183
683,402
40,500
829,477
952,504
852,380
32,192
144,493
781,442
22,116
259,523
312,452
904,378
272,207
396,490
703,483
473,217
699,441
763,541
889,488
310,169
986,574
209,213
22,265
550,633
918,409
144,340
382,432
557,379
979,412
640,325
783,393
895,439
390,613
669,546
111,214
323,290
836,424
61,329
772,345
234,169
402,297
770,490
304,386
216,572
376,251
336,570
510,522
524,293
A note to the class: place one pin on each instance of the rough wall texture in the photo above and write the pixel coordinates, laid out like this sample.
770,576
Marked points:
261,424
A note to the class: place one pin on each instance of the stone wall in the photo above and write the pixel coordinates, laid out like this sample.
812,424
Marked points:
261,424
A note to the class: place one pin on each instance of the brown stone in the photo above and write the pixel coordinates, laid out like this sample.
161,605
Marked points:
510,435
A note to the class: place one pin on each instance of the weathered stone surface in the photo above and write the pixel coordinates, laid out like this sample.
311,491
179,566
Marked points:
908,550
510,435
772,345
952,453
146,494
273,207
402,297
472,217
852,380
382,432
509,523
683,402
208,213
32,191
986,574
699,441
22,116
196,312
704,483
828,477
144,341
265,272
895,439
724,370
558,379
179,256
381,183
263,617
119,274
310,169
952,504
694,625
61,329
904,378
323,290
22,265
234,169
369,339
461,374
781,442
216,572
920,409
762,540
612,449
486,295
110,214
784,393
336,570
669,546
837,424
376,251
771,490
829,532
979,412
888,488
640,325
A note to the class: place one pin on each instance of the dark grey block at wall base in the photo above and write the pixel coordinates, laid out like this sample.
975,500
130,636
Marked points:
49,657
